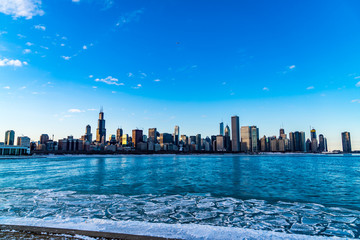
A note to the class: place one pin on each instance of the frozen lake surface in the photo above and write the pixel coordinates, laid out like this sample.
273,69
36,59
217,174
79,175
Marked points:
192,197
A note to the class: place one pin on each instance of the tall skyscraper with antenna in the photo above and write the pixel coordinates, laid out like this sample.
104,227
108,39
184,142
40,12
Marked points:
101,130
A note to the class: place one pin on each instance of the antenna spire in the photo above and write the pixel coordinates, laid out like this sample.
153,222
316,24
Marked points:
101,109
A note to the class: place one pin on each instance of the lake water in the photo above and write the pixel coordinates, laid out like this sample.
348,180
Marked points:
302,195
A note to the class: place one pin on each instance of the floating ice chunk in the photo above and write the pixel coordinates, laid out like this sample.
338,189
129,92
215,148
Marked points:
204,215
302,228
339,232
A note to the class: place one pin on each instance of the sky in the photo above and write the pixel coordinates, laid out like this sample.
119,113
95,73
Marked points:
290,64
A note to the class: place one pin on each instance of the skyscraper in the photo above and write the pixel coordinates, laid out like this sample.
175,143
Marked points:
88,134
23,141
101,130
10,137
198,142
235,134
227,141
119,133
152,135
222,128
44,138
321,143
314,143
346,142
165,138
302,142
246,139
137,136
255,139
176,135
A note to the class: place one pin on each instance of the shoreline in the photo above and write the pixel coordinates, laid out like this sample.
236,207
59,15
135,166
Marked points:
21,231
55,155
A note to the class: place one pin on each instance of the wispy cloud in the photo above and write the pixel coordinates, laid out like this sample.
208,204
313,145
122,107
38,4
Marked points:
26,51
137,86
109,80
11,62
66,57
157,80
40,27
310,88
133,16
265,89
92,109
357,84
21,8
84,47
91,76
355,101
29,44
3,32
6,87
75,110
76,1
292,67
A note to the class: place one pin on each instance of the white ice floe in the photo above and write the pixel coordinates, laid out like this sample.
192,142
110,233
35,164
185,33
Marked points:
179,231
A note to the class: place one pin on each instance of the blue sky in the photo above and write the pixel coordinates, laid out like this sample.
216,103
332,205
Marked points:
187,63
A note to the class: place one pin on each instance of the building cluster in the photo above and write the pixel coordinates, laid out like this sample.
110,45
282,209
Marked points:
239,139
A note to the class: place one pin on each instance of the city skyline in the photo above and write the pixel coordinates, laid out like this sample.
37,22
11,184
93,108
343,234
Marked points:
246,139
261,61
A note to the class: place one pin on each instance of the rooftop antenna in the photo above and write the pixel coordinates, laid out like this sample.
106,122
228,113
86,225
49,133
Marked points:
101,108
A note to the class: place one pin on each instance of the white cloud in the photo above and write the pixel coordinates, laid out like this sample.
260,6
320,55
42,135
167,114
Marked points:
3,32
29,44
292,67
92,109
94,87
130,74
91,76
157,80
21,36
21,8
143,75
355,101
357,77
310,88
10,62
76,1
26,51
63,44
74,110
357,84
265,89
84,47
23,87
66,57
137,86
40,27
109,80
44,47
7,87
113,91
129,17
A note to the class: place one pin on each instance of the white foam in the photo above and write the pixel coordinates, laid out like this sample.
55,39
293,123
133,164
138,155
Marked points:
180,231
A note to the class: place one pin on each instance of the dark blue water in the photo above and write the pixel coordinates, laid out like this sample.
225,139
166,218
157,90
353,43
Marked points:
310,194
325,179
